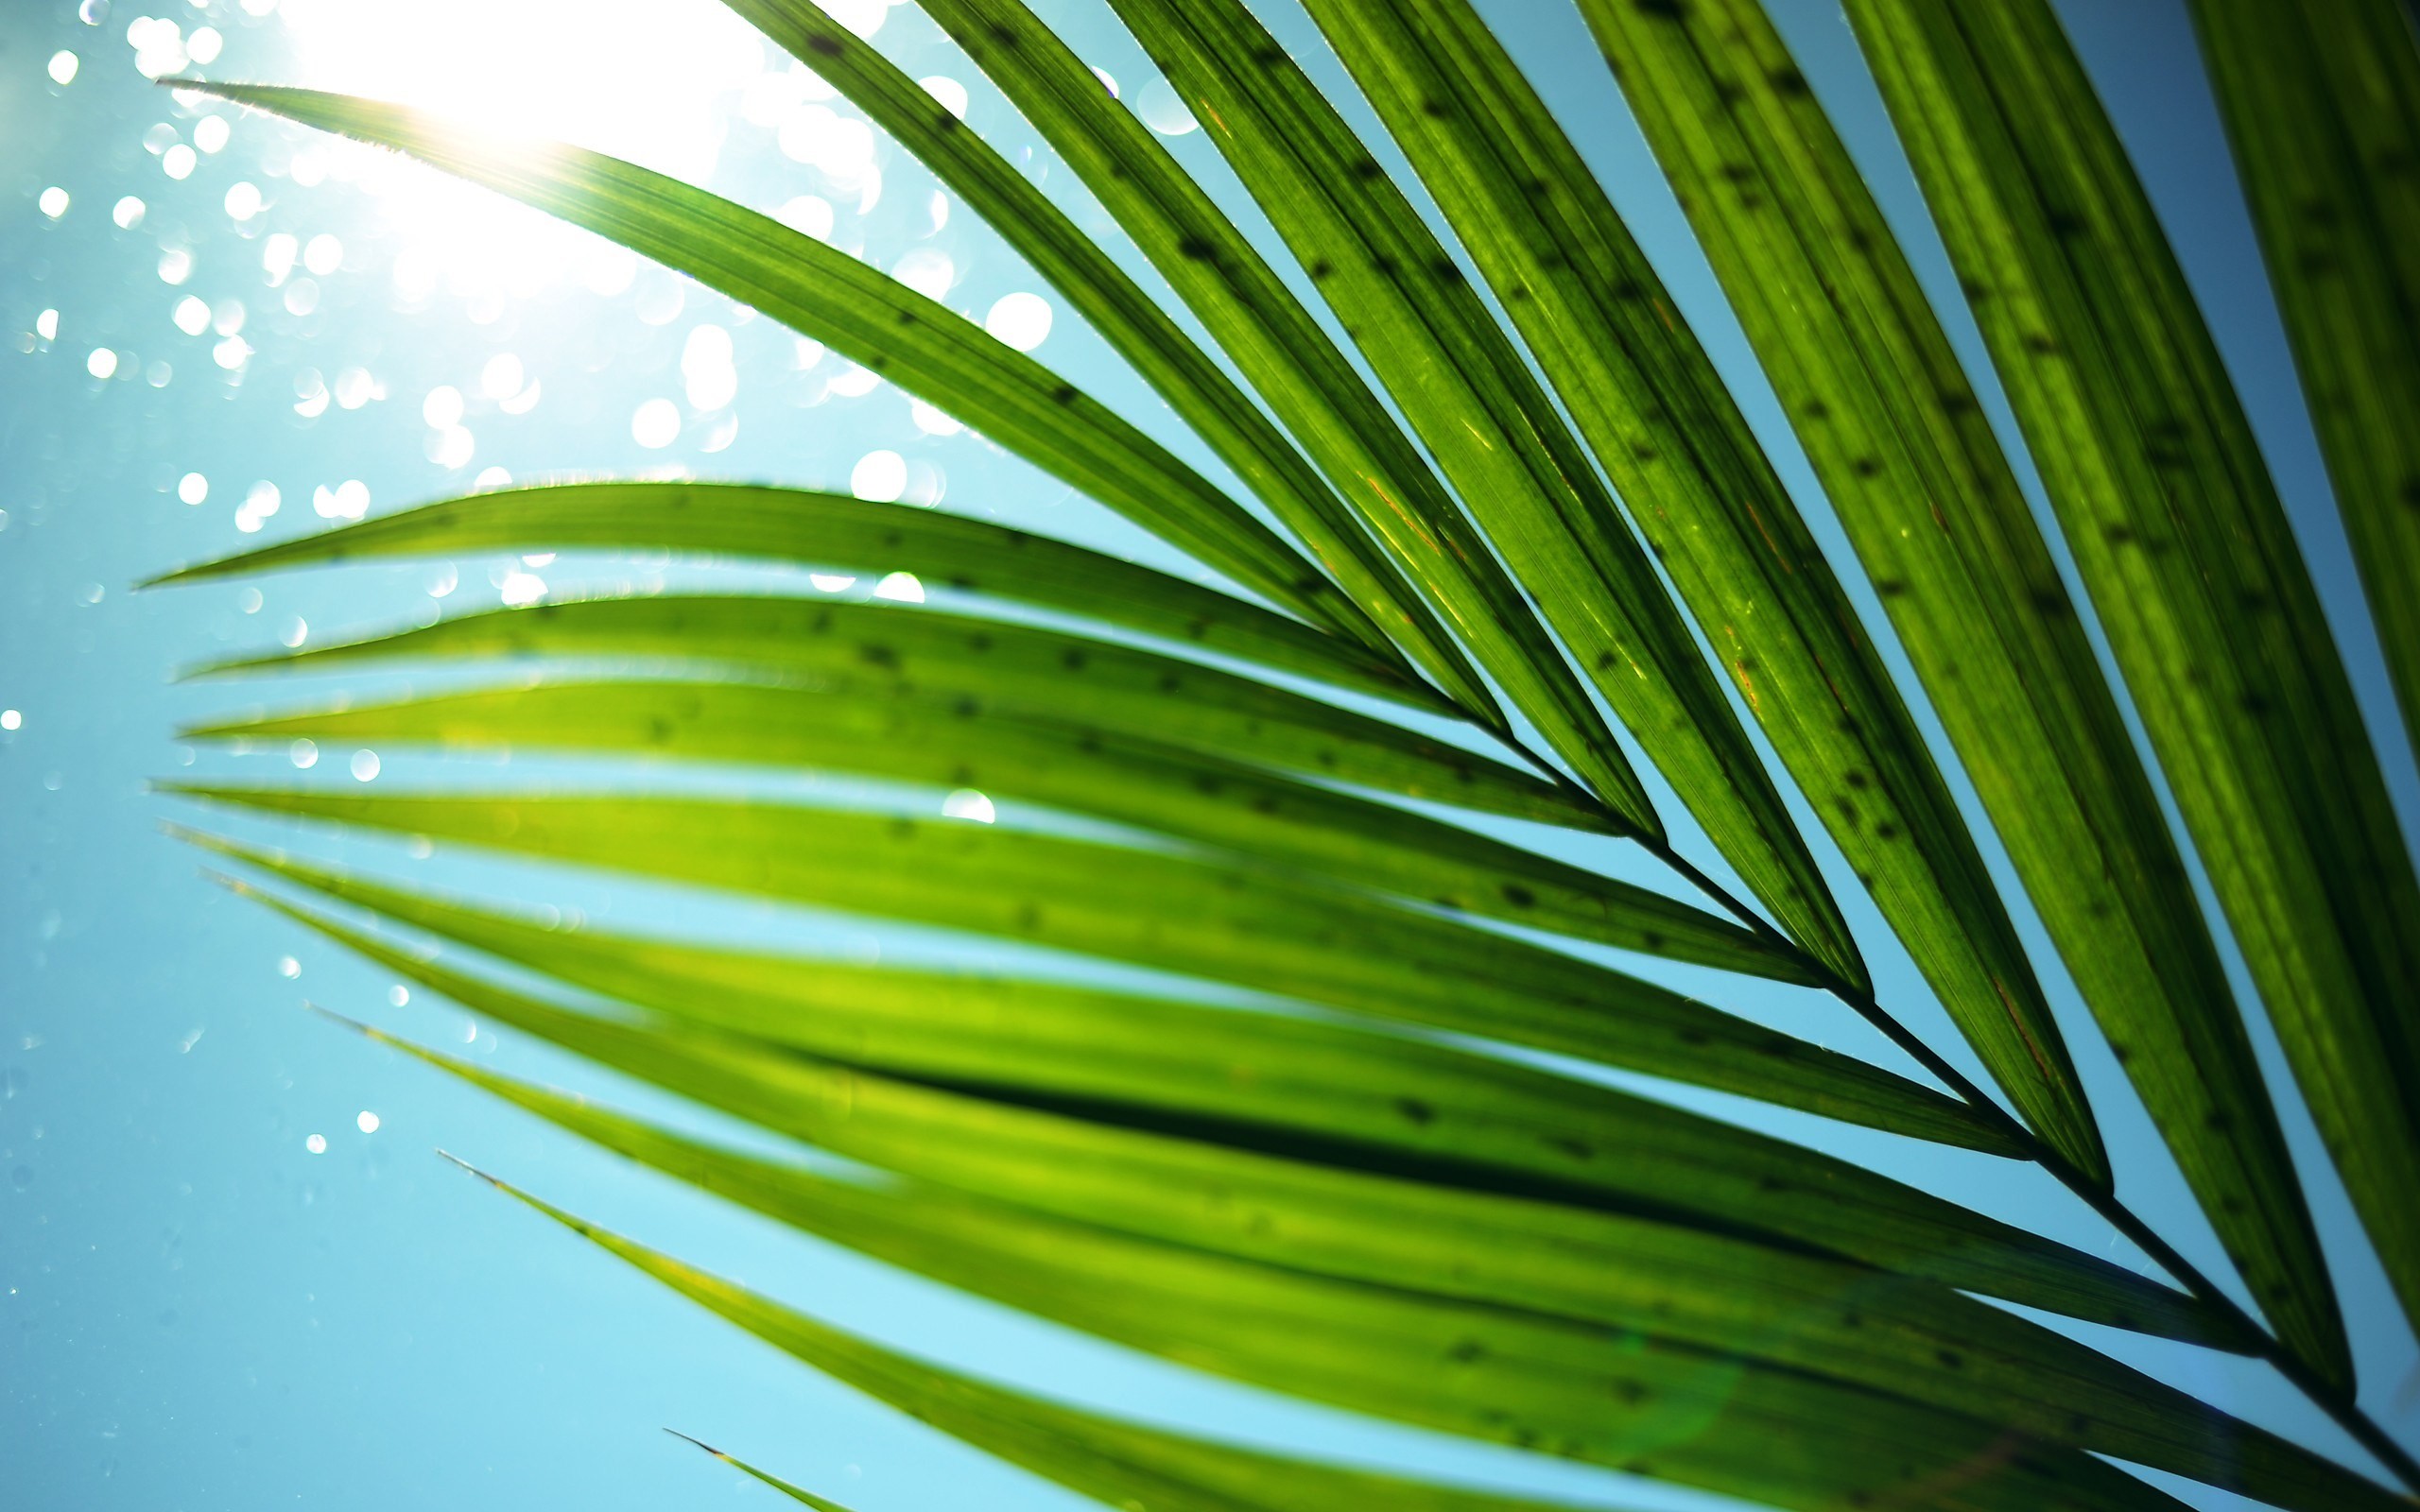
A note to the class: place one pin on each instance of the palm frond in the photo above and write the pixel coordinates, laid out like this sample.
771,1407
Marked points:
1356,1140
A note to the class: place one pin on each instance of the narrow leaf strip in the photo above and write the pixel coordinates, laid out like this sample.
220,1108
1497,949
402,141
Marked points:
1724,1424
1496,436
940,550
2321,101
1918,480
1312,1088
2179,535
1290,361
1133,322
1175,915
1660,420
962,662
920,344
794,1493
1069,766
1937,1348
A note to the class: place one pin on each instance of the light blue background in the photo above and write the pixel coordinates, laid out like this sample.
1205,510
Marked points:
196,1312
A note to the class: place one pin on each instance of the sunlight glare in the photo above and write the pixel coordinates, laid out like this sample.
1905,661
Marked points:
648,80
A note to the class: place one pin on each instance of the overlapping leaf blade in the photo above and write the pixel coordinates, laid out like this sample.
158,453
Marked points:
1650,404
717,520
1119,1463
1169,913
961,662
922,346
2178,533
1868,378
1287,358
1194,385
1066,763
2322,102
1334,1093
1496,436
1212,1308
1312,1090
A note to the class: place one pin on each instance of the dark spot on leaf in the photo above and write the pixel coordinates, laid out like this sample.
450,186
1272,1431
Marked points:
1518,896
1064,394
1321,269
1890,587
1866,467
1787,81
823,47
1416,1111
1197,248
1367,167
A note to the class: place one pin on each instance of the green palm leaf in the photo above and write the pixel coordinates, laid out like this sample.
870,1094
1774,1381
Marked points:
1898,1341
872,318
1866,374
1063,762
961,662
1281,350
719,520
2178,533
1314,1090
1355,1142
1497,438
1229,923
1195,387
1659,421
1698,1420
2322,103
1120,1464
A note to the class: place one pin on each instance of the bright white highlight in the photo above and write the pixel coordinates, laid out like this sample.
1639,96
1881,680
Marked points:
880,477
656,425
1020,321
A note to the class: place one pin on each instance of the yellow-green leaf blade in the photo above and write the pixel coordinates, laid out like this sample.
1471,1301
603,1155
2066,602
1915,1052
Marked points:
1660,420
1498,438
749,521
2180,537
2322,102
872,318
1334,1093
1120,1464
1290,362
1171,913
1672,1283
1067,764
1867,376
1621,1400
961,662
1194,385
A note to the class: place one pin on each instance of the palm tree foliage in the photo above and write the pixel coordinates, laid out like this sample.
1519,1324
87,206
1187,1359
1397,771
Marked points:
1336,1204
